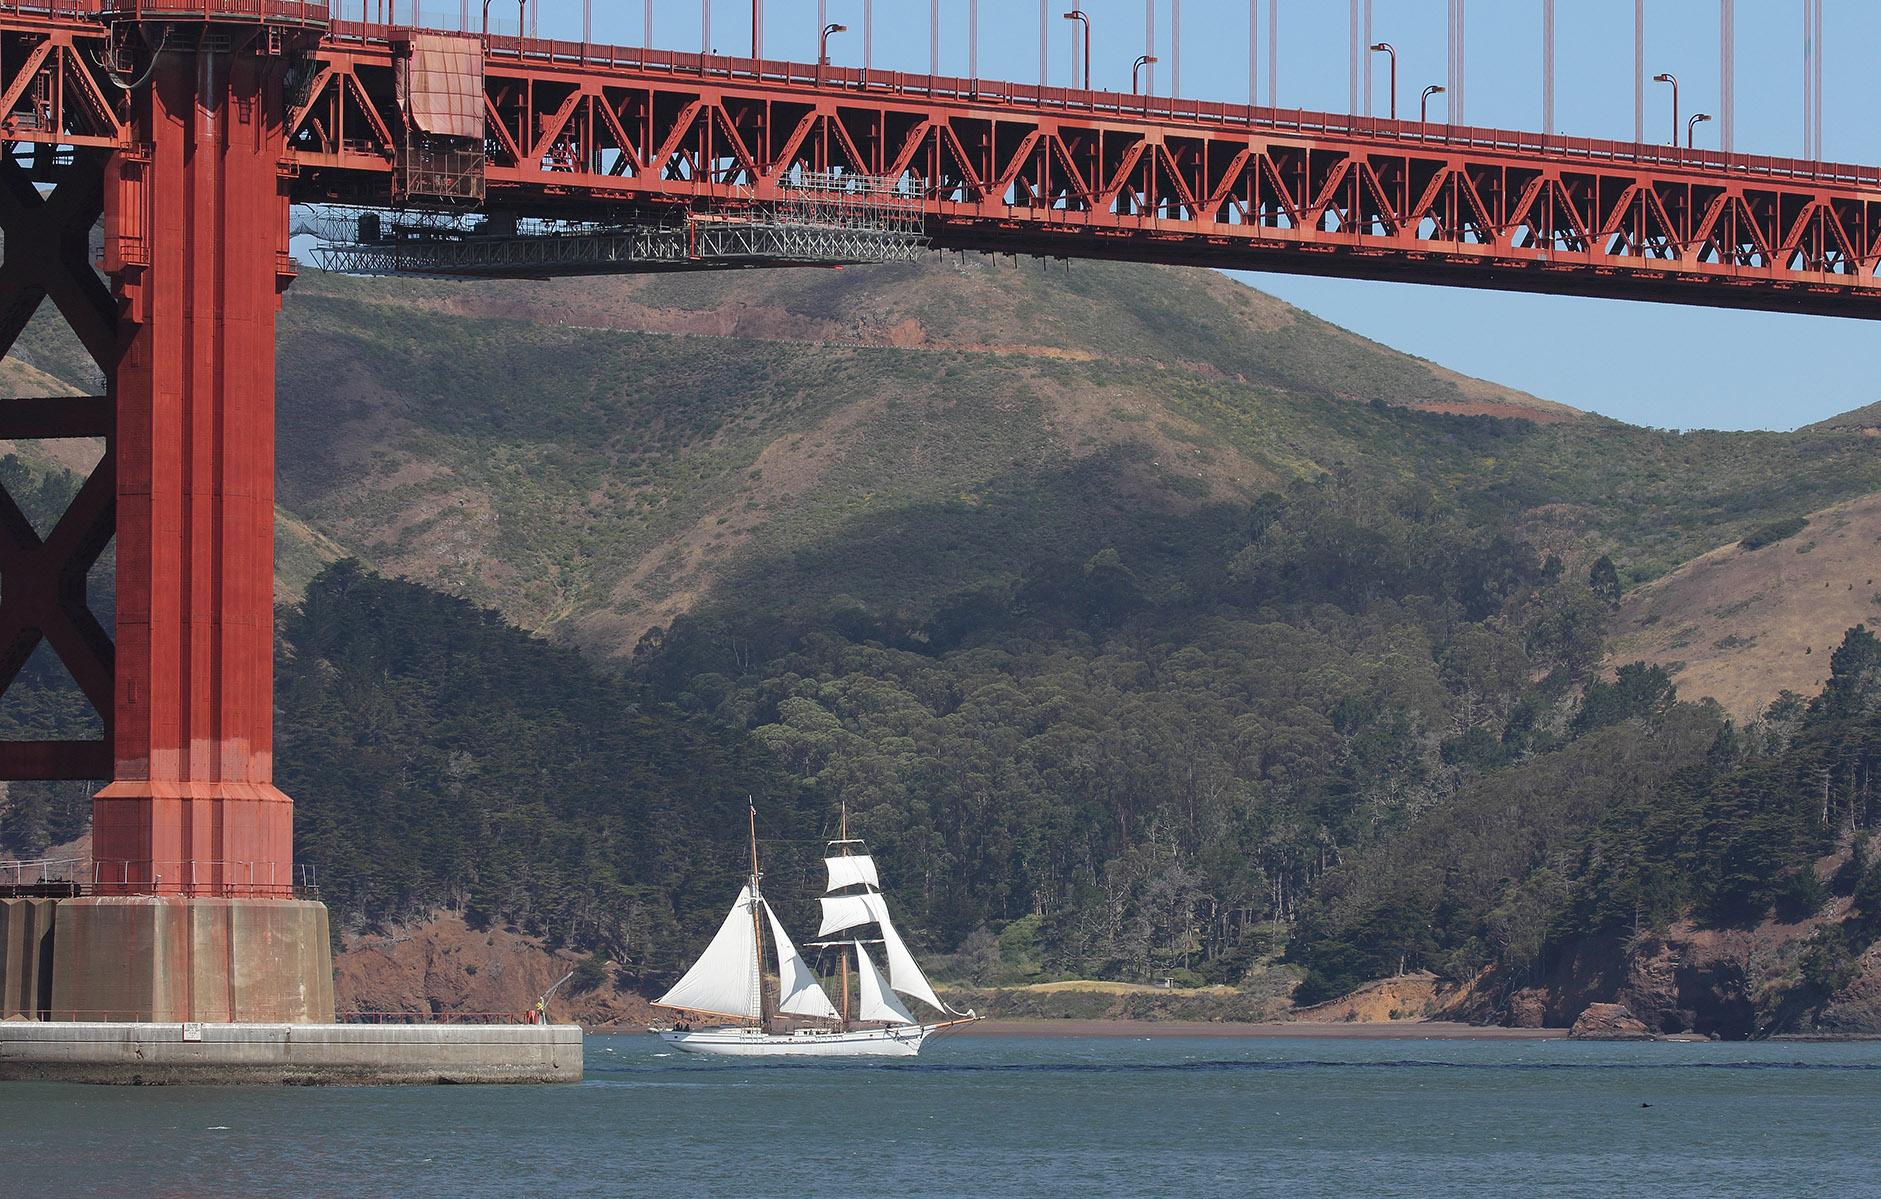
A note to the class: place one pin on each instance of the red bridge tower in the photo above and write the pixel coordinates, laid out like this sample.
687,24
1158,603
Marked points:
192,913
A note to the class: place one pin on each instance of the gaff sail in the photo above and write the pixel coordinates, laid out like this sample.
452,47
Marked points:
724,981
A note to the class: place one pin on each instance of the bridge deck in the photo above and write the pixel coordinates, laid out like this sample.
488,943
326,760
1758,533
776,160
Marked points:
599,132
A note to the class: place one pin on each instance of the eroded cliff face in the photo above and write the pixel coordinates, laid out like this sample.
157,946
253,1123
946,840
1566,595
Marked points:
1731,984
443,968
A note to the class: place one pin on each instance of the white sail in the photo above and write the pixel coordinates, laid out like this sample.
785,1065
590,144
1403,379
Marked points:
878,1002
843,912
724,981
854,871
903,973
797,989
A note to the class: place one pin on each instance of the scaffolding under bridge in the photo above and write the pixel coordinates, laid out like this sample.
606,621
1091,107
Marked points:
823,220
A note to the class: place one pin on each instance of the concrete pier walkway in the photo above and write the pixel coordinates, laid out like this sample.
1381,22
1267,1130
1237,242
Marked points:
291,1054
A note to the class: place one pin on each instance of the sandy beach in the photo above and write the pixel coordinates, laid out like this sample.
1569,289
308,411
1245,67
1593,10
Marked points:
1402,1030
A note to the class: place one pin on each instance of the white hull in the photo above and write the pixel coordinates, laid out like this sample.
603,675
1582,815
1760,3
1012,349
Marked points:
903,1041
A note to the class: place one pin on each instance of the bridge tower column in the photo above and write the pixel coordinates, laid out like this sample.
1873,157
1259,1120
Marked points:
195,915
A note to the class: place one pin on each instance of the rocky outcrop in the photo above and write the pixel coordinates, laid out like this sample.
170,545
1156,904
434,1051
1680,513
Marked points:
1855,1010
1609,1022
443,968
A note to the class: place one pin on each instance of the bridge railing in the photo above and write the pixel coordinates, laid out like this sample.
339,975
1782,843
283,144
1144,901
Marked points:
298,12
1118,106
993,93
196,878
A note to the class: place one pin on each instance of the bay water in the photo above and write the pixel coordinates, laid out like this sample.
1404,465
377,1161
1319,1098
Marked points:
979,1116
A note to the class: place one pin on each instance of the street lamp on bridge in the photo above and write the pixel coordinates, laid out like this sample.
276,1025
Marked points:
1136,69
822,47
1698,118
1423,103
1669,77
1078,14
522,25
1389,49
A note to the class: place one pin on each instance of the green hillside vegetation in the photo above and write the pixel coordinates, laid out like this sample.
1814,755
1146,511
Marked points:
885,437
1666,813
443,759
1143,625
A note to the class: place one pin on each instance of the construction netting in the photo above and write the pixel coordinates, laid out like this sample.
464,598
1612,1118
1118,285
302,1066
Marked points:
443,85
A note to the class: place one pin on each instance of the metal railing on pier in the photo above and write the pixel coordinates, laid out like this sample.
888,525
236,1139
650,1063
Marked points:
188,878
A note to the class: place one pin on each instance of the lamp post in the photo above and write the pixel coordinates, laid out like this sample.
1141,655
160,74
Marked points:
1423,104
522,26
1698,118
1077,14
1669,77
1387,48
822,50
1136,69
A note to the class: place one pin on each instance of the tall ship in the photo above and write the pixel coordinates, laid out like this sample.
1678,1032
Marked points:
725,1007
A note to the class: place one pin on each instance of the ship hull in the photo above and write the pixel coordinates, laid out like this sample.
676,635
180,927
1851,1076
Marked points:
750,1042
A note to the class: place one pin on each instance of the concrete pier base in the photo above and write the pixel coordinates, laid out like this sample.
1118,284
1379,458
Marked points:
175,958
26,957
290,1054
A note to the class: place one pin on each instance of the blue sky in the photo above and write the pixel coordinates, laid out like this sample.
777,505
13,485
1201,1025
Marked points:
1649,364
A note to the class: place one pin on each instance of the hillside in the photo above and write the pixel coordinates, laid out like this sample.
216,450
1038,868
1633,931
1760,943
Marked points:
1743,624
594,458
1144,625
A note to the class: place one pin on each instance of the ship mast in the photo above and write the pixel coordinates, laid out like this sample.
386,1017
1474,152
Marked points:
841,957
757,924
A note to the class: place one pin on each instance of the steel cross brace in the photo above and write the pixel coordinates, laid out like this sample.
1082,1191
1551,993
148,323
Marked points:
43,581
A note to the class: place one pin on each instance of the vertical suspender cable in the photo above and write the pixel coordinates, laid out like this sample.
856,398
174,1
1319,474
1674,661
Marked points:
1727,74
1253,52
705,26
1175,47
1547,67
973,39
1639,71
1366,42
933,38
1149,46
1044,42
1273,53
1352,54
1809,73
868,35
1820,47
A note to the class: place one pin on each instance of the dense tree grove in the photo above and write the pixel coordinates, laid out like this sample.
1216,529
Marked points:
1348,723
440,758
1661,811
1156,764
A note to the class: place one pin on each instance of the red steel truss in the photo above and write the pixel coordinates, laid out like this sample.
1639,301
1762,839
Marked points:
587,132
596,132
